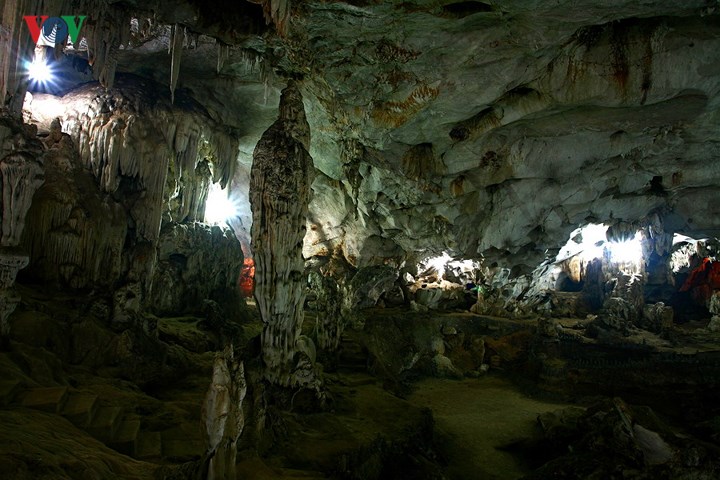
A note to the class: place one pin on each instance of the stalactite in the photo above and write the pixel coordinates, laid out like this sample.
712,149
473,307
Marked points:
74,235
251,60
277,12
187,200
223,54
119,145
155,159
176,46
253,63
279,196
351,153
106,29
22,175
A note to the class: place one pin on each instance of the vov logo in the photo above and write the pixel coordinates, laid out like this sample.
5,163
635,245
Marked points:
52,31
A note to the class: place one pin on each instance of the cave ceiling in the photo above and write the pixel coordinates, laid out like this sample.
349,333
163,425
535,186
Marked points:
478,128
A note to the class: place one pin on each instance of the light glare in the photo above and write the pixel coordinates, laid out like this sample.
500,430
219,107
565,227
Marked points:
39,72
445,260
219,207
629,251
438,263
590,246
590,242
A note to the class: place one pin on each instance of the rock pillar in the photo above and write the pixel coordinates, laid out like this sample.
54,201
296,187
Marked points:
279,195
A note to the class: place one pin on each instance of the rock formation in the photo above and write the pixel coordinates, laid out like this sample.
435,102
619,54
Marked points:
196,262
142,176
21,169
279,196
223,415
328,303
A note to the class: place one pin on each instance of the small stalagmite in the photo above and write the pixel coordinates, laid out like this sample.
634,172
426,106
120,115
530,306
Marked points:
223,415
279,194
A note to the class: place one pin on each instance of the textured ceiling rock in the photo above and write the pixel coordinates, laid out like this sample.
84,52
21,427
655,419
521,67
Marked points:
480,128
496,130
132,138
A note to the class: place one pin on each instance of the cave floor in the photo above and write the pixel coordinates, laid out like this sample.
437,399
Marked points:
475,418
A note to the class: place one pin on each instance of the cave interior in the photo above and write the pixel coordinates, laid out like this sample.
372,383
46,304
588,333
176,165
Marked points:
360,239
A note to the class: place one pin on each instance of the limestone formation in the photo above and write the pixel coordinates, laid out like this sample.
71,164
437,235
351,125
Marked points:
368,285
10,264
330,321
279,195
75,235
609,83
527,185
176,44
22,172
22,175
195,262
657,317
223,416
143,176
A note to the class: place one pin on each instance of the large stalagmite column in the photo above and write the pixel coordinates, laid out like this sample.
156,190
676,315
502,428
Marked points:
279,195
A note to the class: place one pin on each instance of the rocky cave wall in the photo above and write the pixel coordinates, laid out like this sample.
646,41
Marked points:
142,164
546,119
504,146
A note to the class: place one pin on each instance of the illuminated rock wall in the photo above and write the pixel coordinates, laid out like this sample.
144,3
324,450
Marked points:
139,162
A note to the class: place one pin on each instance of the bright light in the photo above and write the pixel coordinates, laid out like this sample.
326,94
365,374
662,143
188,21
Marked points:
588,241
593,238
460,268
680,238
438,263
629,251
39,71
219,207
